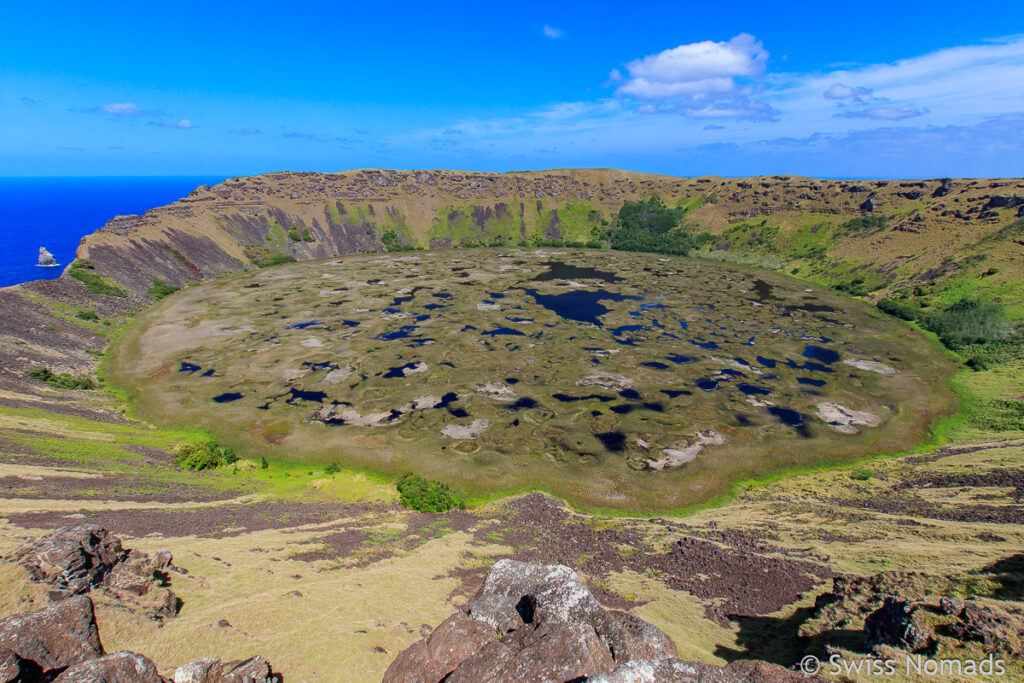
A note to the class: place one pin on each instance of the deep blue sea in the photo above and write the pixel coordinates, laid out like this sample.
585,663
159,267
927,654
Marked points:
57,212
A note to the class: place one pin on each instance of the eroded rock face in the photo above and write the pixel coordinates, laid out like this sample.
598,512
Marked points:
71,558
534,622
896,623
51,639
120,667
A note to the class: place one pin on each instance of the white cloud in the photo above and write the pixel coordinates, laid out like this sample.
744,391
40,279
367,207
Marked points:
551,32
839,91
695,68
122,110
885,113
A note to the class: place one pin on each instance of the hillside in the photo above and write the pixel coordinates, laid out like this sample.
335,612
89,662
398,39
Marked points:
934,239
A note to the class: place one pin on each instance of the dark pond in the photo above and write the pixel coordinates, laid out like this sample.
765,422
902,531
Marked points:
512,380
767,362
189,367
753,390
613,441
227,398
557,270
622,409
630,394
208,373
302,326
675,393
655,364
400,333
707,384
820,353
398,371
704,345
300,395
790,418
811,382
503,331
582,305
679,359
524,403
567,398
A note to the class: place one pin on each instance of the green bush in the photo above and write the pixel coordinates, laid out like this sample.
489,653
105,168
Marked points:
203,455
648,225
161,289
306,237
419,494
263,462
969,321
294,236
861,474
899,308
85,314
332,468
1000,415
83,271
264,258
62,380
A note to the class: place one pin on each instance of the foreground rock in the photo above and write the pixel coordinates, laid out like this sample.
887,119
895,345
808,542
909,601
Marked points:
77,559
62,644
534,622
48,641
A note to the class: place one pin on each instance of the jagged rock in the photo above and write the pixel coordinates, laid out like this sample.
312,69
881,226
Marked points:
897,623
11,670
76,558
978,622
252,670
674,671
46,259
207,670
529,623
867,205
51,639
120,667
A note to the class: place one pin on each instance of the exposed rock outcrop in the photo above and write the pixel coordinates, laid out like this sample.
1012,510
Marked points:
77,559
46,259
897,623
49,640
533,622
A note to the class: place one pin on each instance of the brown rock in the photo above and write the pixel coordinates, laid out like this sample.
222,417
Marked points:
120,667
76,558
10,667
252,670
897,623
59,636
207,670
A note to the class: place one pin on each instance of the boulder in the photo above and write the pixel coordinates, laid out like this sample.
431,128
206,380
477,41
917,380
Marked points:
897,623
54,638
529,622
252,670
207,670
120,667
73,558
978,622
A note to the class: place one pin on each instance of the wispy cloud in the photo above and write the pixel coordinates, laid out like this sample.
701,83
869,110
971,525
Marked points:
908,111
183,123
32,102
122,109
842,92
551,32
315,137
245,131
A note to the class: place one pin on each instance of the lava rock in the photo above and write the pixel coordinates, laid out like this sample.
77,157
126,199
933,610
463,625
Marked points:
51,639
899,624
74,558
978,622
120,667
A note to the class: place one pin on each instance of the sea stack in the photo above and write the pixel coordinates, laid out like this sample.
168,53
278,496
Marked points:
46,259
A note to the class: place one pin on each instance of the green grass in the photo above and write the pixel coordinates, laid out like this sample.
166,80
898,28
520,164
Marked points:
84,271
161,289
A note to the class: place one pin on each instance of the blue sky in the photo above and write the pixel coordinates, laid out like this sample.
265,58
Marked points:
871,89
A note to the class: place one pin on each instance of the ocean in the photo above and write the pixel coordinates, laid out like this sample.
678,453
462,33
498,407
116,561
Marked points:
57,212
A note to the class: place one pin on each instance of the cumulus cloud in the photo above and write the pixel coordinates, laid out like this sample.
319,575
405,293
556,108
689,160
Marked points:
695,68
698,80
551,32
908,111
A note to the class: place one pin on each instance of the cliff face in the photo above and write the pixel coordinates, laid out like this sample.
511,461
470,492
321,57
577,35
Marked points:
910,229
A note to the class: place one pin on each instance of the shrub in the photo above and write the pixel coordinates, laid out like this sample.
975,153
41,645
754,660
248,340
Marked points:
306,237
419,494
900,309
264,258
332,468
61,380
294,236
161,289
83,271
969,321
649,225
1001,415
203,455
85,314
263,462
861,474
864,223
